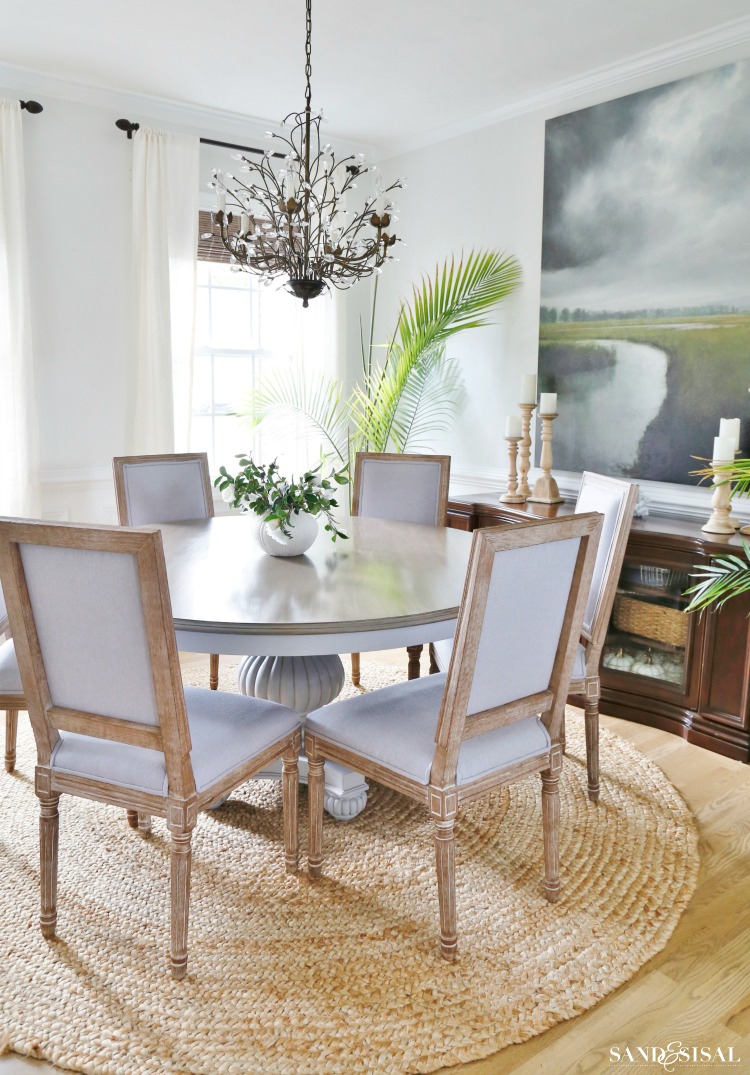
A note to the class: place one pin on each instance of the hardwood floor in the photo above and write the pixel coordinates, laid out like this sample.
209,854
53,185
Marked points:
697,991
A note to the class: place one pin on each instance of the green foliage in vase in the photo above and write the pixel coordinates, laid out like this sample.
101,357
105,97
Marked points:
726,576
414,391
263,490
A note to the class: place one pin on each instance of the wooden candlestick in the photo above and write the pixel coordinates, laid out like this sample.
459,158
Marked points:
512,496
545,487
524,457
719,522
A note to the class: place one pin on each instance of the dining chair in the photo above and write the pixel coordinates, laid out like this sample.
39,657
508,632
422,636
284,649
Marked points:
165,489
495,717
111,719
408,489
11,689
615,499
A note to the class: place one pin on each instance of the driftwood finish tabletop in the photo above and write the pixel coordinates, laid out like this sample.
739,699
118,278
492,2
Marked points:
390,584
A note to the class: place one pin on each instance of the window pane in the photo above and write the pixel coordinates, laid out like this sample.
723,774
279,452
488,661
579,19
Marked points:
202,384
233,380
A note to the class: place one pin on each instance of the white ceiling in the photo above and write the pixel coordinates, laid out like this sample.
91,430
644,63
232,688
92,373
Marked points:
385,72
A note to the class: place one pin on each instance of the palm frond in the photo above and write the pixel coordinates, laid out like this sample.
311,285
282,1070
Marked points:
430,400
725,577
316,400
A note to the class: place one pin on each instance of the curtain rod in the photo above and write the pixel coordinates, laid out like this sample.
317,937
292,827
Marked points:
32,106
129,128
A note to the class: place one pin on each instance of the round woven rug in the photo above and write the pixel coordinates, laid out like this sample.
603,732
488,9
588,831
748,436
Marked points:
342,975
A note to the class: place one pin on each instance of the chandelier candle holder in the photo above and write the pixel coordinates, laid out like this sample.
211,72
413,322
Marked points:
293,221
545,487
526,407
513,436
719,522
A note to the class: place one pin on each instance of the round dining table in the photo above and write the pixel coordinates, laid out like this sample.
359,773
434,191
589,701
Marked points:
390,584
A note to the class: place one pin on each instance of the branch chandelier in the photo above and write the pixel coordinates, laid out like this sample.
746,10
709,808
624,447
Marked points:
293,221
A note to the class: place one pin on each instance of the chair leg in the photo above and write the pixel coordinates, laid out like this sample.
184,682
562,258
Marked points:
144,823
415,652
446,879
11,731
434,667
49,830
355,669
132,816
180,860
591,711
213,671
551,826
316,794
290,797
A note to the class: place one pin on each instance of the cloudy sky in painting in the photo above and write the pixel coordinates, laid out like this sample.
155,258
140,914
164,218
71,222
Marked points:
647,198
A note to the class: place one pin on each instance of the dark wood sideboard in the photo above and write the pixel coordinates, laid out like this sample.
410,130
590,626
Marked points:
687,674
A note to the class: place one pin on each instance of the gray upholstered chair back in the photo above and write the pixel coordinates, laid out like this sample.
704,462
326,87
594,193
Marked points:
517,630
95,642
615,499
162,489
405,488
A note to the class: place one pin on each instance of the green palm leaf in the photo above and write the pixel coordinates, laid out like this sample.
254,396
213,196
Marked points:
725,577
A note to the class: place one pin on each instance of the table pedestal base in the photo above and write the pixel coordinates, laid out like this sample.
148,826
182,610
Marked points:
305,684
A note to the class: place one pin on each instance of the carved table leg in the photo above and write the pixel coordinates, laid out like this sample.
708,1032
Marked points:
213,671
415,654
355,670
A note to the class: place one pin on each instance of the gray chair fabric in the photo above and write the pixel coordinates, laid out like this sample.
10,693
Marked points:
395,727
10,676
165,491
442,652
405,490
225,730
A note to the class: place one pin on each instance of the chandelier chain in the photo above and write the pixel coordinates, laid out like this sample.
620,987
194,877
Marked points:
308,56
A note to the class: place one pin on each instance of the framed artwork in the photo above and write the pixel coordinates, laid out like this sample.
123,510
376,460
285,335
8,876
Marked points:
645,300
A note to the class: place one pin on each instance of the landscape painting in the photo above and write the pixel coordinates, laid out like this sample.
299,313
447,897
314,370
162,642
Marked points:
645,300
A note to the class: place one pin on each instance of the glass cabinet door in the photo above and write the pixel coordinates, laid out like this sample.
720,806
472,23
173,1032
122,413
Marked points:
648,631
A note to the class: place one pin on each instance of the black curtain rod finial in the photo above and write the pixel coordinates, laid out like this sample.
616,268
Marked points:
32,106
127,126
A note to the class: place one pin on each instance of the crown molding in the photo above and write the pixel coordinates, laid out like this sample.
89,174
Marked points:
733,35
194,119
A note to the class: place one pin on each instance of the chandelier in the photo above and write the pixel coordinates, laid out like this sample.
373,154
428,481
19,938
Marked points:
293,218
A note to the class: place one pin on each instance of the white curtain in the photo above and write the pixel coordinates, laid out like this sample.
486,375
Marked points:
165,239
19,453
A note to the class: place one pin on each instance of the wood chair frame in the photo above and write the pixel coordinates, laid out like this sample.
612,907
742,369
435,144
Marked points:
443,796
123,515
414,652
12,704
182,803
588,686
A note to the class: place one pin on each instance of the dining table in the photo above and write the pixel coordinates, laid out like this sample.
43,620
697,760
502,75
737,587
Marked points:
388,584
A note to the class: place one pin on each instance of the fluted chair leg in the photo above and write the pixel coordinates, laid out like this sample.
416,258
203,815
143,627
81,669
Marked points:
180,861
316,793
445,856
355,670
290,795
591,716
49,830
144,823
132,816
551,828
213,671
11,731
415,653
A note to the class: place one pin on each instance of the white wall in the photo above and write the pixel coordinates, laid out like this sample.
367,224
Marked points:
478,190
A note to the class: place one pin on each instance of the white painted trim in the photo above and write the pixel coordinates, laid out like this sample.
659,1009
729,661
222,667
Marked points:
734,34
141,108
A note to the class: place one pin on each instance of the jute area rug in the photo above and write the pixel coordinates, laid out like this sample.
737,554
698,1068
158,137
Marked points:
291,977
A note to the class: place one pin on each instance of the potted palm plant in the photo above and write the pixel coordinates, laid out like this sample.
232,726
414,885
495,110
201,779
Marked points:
728,575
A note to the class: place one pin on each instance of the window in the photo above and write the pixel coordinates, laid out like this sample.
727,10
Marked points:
243,330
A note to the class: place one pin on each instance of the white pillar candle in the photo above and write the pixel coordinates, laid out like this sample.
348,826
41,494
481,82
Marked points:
528,388
513,425
548,403
730,427
723,450
221,201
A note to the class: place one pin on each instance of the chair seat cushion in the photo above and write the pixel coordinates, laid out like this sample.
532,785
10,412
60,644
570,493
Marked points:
10,676
395,727
225,730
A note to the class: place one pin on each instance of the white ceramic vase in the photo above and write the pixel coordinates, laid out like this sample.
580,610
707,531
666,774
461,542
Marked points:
303,528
